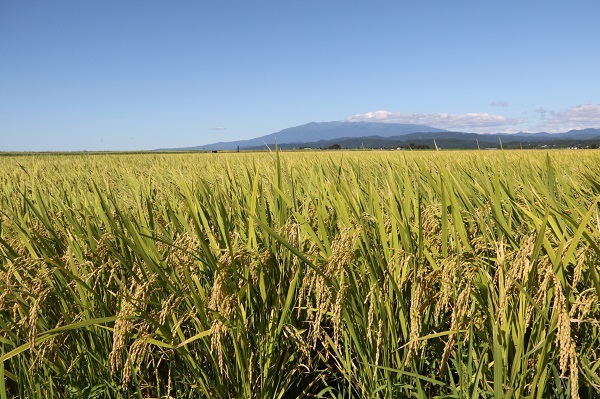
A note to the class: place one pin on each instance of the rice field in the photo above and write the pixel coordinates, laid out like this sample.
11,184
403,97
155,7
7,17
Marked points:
286,275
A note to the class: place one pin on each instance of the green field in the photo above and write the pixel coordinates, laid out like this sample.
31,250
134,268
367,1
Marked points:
335,274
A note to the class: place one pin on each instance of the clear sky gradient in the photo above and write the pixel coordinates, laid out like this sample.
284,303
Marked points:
136,75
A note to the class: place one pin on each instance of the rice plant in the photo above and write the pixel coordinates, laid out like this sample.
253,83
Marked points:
286,275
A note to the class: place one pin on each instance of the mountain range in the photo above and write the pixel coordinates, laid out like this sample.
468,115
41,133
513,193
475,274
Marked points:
394,135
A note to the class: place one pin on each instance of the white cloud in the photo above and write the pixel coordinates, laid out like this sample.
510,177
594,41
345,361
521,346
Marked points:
218,128
577,117
480,123
502,104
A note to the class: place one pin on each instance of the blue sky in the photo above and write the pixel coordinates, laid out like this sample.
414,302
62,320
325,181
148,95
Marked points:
108,75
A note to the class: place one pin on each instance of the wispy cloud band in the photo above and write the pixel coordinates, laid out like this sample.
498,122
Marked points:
577,117
472,121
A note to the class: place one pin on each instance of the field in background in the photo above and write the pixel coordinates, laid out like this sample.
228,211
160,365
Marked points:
336,275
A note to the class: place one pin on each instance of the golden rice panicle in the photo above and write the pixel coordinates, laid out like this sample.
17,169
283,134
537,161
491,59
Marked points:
131,296
323,301
123,325
545,277
418,300
136,352
573,371
378,347
223,304
459,318
582,255
447,277
342,254
431,216
563,333
371,299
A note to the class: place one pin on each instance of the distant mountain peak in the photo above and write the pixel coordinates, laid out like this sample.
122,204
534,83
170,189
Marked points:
316,131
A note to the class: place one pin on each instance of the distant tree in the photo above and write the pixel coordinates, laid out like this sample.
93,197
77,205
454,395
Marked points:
413,146
335,146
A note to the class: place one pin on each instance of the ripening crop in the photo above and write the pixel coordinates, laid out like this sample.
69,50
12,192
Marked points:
340,274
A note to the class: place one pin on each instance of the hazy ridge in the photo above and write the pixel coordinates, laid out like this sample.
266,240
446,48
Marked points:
391,135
